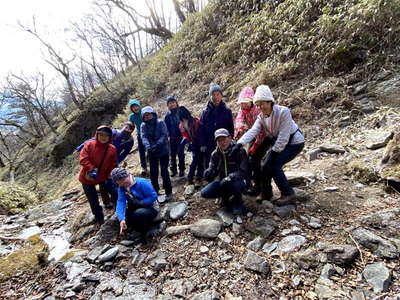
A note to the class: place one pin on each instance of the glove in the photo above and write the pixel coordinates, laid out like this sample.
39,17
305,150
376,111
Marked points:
226,179
235,149
92,174
203,149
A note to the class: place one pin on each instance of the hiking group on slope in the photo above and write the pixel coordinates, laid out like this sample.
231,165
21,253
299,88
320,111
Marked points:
216,142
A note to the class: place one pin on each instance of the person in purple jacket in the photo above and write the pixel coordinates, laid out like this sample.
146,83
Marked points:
216,115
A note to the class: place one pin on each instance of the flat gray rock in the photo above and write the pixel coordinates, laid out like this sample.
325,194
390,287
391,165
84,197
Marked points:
262,226
377,139
290,243
332,148
313,154
342,255
254,262
178,211
256,244
174,230
206,228
224,238
226,217
284,211
189,190
108,255
381,247
378,276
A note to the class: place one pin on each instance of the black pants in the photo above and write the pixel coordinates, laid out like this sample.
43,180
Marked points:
162,163
196,164
233,188
273,169
93,198
177,148
142,153
140,219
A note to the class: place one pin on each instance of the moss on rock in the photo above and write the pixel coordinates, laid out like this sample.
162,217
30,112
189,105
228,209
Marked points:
14,198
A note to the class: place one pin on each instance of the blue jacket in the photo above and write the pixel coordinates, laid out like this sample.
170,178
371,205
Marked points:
154,134
123,144
172,121
214,118
144,195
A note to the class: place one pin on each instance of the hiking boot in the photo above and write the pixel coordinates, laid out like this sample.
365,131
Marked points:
181,173
264,196
286,200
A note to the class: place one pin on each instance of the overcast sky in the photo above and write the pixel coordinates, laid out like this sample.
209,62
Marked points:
20,50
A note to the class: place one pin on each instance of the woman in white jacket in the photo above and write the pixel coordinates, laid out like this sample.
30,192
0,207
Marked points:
287,141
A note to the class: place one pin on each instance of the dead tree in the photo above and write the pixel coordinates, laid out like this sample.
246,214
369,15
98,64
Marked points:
10,150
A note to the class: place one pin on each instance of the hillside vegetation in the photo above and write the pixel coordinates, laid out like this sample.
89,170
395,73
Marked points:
307,51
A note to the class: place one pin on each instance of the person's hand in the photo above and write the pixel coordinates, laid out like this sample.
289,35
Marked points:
122,227
236,148
92,174
203,149
226,179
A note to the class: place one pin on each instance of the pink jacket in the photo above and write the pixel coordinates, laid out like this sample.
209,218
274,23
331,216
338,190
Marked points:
244,121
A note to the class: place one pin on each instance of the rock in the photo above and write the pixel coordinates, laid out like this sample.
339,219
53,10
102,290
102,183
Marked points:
342,255
329,270
309,258
254,262
70,294
108,255
15,198
378,139
162,198
173,230
78,287
224,238
178,211
381,247
73,270
94,254
204,249
88,277
359,89
325,290
206,295
332,148
296,281
189,190
138,258
314,225
304,219
256,244
294,222
300,177
108,231
158,260
292,230
239,220
262,226
378,276
127,243
290,243
236,228
330,189
206,228
284,211
269,248
313,154
225,217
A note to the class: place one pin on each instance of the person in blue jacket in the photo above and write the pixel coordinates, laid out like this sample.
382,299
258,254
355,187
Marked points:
154,135
137,205
123,140
216,115
177,147
136,118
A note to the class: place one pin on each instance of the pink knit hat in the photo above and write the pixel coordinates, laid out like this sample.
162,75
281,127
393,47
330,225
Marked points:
246,95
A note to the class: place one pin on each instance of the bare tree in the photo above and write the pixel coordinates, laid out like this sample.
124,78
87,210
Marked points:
10,150
60,64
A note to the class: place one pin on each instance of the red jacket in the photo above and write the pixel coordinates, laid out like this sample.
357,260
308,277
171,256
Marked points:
191,135
90,158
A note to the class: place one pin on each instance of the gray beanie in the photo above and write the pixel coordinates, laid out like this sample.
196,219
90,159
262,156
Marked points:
119,174
214,88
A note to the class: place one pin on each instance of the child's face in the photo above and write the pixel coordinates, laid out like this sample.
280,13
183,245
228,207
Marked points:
135,108
103,137
245,106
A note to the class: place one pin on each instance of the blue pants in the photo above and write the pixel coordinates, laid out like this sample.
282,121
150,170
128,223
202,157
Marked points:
142,152
233,188
273,169
177,148
162,163
196,164
140,219
93,198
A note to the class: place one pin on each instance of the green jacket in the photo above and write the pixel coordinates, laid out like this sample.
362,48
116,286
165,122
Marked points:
135,118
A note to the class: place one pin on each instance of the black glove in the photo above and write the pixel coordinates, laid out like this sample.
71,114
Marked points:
235,149
92,173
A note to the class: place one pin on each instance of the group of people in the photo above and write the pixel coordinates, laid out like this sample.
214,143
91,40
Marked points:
235,156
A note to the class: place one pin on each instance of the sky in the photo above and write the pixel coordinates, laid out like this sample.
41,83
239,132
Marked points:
22,52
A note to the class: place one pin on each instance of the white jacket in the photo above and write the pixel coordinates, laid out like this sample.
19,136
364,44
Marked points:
279,125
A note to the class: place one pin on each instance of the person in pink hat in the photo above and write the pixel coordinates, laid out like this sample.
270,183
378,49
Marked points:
245,119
